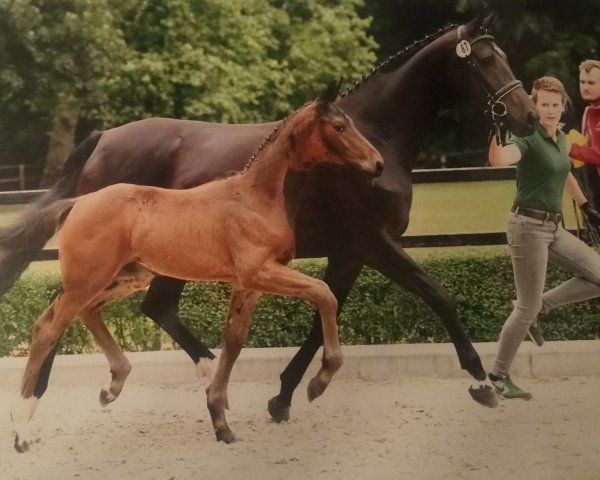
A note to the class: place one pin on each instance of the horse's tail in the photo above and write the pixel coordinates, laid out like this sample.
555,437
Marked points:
23,240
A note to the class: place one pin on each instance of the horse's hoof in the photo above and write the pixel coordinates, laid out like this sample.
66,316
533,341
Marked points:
485,395
477,372
106,397
315,389
22,445
226,436
278,411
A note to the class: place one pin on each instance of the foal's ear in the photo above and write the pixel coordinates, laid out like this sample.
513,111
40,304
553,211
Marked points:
330,93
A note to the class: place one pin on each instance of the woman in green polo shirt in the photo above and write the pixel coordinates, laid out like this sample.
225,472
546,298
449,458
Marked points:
534,231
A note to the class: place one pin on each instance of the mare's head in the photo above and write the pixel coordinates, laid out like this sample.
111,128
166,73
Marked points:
323,133
480,66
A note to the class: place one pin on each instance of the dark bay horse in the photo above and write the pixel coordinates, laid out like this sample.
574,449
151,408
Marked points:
351,222
237,229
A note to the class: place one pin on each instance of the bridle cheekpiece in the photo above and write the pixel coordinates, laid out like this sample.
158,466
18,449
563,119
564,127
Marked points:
496,109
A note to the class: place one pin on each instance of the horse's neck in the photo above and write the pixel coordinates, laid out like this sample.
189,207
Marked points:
401,105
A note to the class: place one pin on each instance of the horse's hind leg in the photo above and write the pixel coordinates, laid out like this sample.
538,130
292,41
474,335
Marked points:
161,304
119,365
46,332
241,308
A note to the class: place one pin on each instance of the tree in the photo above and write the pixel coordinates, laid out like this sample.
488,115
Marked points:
53,55
232,60
538,36
114,61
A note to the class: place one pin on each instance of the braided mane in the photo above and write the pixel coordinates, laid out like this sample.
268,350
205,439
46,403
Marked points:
399,58
393,61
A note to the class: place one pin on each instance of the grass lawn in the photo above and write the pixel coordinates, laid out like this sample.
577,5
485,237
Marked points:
465,207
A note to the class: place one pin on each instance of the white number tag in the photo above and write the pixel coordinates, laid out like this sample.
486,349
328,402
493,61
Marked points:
463,49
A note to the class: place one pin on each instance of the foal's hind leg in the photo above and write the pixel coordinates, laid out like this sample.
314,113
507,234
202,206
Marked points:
46,332
119,365
241,308
132,278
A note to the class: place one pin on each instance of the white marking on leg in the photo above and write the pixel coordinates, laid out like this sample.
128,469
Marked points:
206,367
21,413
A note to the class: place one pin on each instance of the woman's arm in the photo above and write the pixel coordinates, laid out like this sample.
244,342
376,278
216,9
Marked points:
503,156
574,190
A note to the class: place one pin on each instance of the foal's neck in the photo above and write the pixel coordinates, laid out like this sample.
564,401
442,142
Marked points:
267,171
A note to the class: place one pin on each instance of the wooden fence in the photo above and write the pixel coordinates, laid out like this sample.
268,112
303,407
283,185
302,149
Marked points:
419,176
13,174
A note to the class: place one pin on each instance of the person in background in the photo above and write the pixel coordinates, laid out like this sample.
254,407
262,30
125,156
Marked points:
534,228
589,88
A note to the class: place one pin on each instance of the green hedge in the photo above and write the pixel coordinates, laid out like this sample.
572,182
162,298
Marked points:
377,311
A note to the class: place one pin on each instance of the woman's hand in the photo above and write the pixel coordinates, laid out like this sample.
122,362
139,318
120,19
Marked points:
503,156
592,215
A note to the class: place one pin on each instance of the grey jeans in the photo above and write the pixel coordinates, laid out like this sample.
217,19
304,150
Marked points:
532,243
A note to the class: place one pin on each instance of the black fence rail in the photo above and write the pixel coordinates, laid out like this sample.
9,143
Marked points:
475,174
442,175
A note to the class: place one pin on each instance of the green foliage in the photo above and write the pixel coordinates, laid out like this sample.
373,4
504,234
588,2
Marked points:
377,311
116,61
232,60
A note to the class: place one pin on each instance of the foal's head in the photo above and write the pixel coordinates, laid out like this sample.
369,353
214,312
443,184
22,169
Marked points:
323,133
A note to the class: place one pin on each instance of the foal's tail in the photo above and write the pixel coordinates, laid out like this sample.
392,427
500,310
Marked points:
23,240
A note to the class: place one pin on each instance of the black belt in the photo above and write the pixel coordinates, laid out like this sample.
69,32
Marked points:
538,214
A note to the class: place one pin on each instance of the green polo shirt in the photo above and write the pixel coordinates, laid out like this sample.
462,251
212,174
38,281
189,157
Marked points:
542,170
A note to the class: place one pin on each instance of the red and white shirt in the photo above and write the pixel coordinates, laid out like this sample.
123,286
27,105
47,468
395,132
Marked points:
589,153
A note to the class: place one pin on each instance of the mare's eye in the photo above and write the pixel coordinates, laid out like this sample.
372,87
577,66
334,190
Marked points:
487,60
340,128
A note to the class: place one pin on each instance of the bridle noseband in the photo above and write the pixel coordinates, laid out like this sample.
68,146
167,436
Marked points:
496,109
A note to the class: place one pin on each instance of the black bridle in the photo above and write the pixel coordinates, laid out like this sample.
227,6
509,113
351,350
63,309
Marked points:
496,109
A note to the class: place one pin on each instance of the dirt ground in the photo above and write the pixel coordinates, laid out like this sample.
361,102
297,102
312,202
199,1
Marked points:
417,429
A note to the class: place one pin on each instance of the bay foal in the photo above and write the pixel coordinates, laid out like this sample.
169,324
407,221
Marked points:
236,229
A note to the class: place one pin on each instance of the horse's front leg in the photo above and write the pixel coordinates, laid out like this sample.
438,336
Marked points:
161,304
340,275
389,258
241,308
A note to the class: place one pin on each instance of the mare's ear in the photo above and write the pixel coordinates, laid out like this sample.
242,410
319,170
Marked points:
330,93
489,20
480,22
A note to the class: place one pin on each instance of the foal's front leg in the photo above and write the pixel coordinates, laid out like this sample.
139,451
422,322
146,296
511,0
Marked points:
276,278
241,307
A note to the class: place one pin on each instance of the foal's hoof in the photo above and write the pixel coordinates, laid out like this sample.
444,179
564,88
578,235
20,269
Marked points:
315,388
278,411
484,394
106,397
226,436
